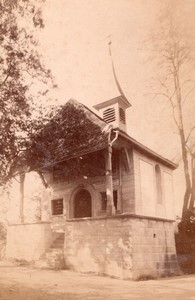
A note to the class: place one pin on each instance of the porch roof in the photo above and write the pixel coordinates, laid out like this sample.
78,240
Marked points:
74,131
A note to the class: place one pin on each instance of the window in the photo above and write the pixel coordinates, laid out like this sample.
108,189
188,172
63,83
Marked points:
104,200
159,184
57,207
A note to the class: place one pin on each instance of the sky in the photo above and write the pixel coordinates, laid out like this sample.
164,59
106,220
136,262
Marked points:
74,45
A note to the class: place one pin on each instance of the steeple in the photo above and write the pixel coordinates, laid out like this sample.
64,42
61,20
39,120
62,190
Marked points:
113,111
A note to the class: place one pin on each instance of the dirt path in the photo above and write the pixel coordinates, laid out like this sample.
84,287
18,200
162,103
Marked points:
20,283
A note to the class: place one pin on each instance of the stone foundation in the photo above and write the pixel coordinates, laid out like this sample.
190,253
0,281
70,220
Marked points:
125,246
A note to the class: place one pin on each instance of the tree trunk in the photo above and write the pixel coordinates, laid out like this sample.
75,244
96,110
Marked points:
22,179
192,201
180,124
188,190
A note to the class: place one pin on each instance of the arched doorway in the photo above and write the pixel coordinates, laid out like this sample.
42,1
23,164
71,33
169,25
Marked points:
82,204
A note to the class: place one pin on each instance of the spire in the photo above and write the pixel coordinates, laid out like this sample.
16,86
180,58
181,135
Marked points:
113,111
114,73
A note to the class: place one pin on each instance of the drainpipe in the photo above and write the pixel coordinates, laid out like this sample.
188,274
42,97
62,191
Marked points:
109,182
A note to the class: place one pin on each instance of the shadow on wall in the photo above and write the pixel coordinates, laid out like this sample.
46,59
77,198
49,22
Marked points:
170,262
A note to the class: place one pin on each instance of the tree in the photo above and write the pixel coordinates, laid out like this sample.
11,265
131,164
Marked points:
20,69
175,48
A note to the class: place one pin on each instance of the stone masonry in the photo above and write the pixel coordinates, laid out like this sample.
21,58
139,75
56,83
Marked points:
125,246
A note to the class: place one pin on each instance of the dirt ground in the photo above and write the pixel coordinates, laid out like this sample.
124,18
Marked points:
25,283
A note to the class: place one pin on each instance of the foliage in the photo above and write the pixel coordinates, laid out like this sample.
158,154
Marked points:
185,244
69,133
20,68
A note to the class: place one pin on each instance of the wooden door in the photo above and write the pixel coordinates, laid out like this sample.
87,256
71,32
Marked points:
82,204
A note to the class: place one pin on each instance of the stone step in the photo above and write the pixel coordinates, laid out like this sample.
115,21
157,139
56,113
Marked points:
58,241
53,258
58,238
59,246
58,235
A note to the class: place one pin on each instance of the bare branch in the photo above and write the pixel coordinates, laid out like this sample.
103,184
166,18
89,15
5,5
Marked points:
189,134
4,81
172,105
187,94
8,74
189,150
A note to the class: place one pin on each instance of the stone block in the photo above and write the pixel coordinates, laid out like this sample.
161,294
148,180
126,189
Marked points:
138,231
169,234
148,241
149,232
113,222
98,223
137,240
143,223
152,223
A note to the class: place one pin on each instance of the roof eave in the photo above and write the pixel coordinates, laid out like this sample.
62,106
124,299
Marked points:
148,151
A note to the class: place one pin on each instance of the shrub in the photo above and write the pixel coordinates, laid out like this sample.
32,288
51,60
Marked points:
185,245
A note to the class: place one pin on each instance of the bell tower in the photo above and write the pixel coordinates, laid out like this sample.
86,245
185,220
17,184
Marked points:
113,111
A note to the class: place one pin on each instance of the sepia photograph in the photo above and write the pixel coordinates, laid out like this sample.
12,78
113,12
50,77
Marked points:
97,149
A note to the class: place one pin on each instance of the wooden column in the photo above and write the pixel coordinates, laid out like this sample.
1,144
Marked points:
109,182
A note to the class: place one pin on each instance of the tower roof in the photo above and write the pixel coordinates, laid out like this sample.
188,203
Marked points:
118,99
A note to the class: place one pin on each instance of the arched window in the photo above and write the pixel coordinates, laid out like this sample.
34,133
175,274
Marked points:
82,204
159,190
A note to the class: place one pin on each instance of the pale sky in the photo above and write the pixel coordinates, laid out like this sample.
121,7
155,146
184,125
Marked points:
74,47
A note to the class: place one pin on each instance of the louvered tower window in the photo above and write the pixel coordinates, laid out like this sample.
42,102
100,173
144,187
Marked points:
109,115
122,115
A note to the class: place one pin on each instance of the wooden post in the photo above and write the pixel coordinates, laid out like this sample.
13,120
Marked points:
22,178
109,182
